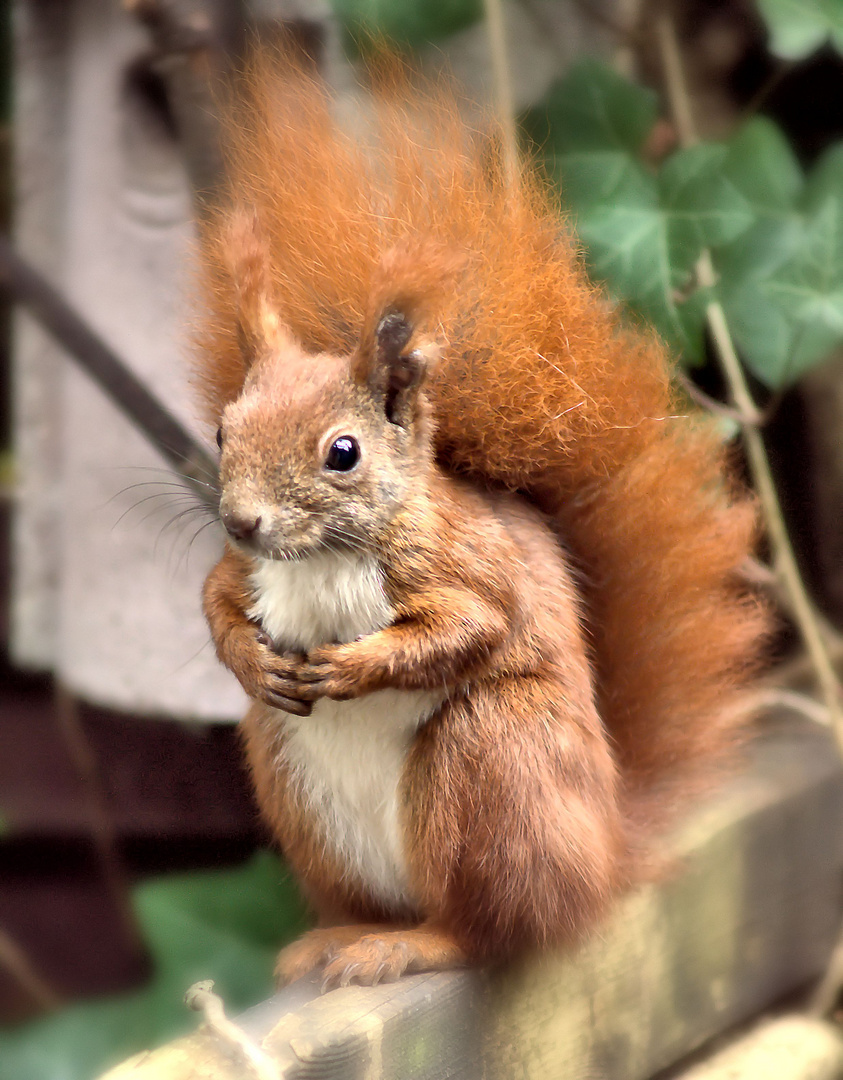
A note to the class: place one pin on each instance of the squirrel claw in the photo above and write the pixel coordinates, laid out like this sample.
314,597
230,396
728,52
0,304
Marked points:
327,686
329,672
313,673
289,705
370,960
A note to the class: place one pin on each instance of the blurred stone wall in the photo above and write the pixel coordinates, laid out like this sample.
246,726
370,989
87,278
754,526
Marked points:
107,577
105,592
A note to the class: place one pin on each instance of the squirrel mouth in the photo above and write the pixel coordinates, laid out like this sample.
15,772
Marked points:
259,547
279,553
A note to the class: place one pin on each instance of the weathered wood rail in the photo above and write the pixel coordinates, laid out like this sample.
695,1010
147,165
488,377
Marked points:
750,916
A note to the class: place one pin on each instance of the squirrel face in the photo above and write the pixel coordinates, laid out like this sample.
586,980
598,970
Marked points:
321,452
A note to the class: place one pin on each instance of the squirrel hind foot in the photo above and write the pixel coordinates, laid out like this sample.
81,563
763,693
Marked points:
368,954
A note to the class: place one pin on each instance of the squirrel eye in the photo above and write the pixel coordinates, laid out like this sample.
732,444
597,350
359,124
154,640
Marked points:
219,437
343,455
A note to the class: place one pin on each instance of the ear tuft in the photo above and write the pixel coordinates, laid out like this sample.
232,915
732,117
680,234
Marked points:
404,381
248,258
395,372
408,289
393,336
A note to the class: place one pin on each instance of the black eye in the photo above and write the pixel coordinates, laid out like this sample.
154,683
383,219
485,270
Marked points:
343,455
219,437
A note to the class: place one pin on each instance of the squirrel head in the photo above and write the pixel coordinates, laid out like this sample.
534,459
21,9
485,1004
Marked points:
321,452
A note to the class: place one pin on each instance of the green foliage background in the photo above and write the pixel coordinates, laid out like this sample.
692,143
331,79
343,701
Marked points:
775,234
221,925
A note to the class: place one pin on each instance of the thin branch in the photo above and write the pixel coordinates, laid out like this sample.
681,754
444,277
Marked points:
710,404
797,671
102,829
113,376
15,962
503,86
674,75
200,998
766,89
783,557
760,575
629,17
775,697
799,602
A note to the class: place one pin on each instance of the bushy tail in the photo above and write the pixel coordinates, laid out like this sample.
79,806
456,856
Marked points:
540,389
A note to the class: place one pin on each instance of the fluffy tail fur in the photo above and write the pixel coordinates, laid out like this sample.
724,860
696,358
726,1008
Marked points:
540,388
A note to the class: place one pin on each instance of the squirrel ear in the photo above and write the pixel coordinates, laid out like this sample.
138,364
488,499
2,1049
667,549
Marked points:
247,255
409,286
396,372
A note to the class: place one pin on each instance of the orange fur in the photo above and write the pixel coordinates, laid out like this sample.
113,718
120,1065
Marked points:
539,389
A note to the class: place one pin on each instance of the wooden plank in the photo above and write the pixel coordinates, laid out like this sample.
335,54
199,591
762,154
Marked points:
790,1048
751,916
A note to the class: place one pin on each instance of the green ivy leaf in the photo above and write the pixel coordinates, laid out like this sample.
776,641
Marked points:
406,22
789,316
799,27
643,231
826,178
782,286
761,165
703,207
776,239
601,177
592,109
221,925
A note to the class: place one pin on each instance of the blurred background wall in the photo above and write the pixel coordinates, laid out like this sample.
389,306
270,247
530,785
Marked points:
105,584
108,558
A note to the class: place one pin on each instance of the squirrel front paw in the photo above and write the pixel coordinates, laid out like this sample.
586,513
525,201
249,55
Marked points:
335,671
272,677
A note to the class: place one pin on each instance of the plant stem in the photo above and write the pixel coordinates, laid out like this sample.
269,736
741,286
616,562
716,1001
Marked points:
15,962
103,832
784,559
783,555
503,87
201,998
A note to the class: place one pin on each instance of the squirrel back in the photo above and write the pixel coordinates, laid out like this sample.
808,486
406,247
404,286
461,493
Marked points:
540,389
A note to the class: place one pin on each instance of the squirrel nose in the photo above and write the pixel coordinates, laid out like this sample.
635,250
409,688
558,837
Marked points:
240,527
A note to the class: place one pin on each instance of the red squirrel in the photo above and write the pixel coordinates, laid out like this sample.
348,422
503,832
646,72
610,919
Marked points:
482,570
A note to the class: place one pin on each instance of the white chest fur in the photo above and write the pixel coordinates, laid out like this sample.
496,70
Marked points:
347,757
328,597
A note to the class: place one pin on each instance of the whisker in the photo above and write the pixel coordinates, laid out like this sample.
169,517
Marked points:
198,465
195,537
169,487
149,498
212,481
190,659
150,483
190,511
208,491
346,538
165,500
